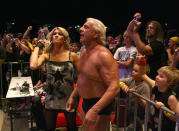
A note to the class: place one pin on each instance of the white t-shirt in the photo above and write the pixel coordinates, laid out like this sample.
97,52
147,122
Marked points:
123,54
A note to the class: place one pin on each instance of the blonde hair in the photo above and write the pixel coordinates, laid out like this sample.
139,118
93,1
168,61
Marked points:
171,73
99,27
64,33
127,34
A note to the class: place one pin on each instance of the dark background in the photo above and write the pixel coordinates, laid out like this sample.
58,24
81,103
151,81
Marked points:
115,14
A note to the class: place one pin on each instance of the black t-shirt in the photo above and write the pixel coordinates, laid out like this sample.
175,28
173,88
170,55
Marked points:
163,97
156,60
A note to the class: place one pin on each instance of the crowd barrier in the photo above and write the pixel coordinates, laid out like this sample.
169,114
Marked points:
7,71
146,118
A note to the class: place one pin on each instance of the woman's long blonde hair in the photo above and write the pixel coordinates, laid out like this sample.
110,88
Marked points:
66,38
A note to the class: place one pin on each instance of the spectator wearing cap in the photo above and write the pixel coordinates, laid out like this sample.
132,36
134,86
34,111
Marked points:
172,46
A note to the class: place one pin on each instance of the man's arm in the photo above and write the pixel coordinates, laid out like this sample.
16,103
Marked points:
141,47
26,33
132,30
109,73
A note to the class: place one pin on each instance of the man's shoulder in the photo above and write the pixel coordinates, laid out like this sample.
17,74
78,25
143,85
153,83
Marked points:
104,52
157,47
156,43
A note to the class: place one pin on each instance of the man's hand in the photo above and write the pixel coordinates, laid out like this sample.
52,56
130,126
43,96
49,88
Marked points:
134,25
137,16
29,28
91,117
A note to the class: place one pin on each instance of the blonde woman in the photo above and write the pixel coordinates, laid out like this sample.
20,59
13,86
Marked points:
60,65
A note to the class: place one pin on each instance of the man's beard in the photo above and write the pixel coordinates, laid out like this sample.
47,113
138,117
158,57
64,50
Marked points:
150,36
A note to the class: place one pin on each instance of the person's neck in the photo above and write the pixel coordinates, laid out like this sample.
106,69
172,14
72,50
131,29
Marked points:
90,46
58,49
137,81
128,45
151,40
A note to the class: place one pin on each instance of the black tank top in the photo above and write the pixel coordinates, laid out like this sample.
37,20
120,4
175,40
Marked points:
59,83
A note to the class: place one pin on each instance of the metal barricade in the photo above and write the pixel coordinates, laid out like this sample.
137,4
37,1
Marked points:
160,114
149,102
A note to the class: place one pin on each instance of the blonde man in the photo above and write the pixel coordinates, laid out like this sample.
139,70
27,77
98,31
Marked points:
98,77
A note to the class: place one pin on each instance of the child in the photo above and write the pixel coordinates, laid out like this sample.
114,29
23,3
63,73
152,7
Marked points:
137,84
125,56
162,92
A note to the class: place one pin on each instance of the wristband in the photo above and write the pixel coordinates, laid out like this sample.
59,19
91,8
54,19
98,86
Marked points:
121,84
167,114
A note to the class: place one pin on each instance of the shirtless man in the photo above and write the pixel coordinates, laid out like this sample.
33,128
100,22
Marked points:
97,77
